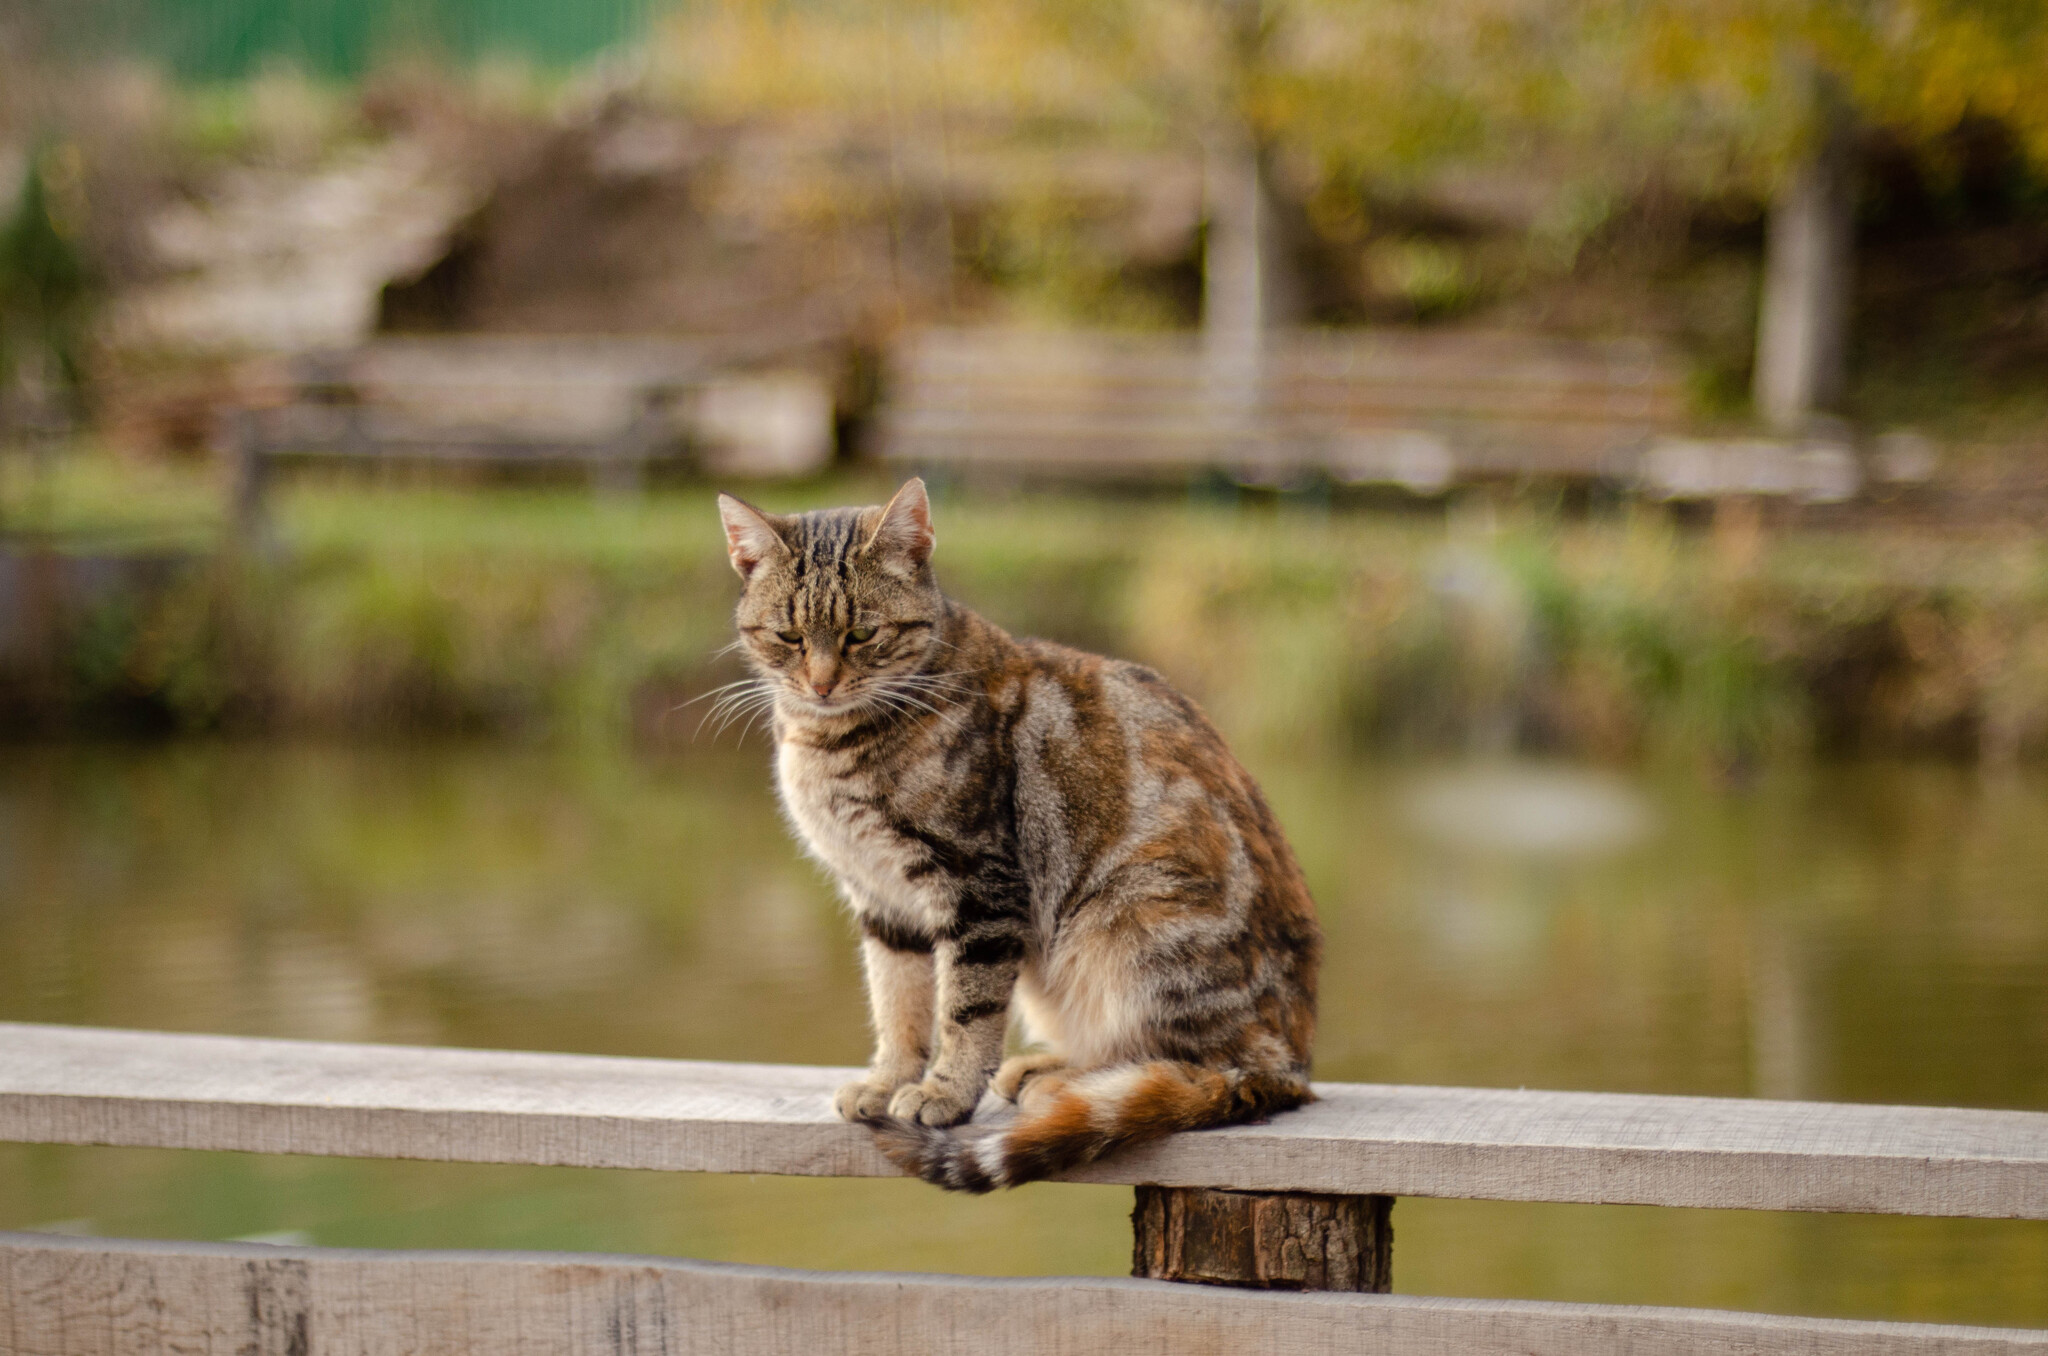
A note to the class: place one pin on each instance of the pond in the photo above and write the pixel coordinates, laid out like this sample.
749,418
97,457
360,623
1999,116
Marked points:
1862,932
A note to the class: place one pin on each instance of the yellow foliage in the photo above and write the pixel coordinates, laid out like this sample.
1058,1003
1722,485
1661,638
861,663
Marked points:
1704,88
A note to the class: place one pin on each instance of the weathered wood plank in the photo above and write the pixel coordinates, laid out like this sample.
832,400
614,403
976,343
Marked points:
105,1297
1003,354
75,1085
1101,404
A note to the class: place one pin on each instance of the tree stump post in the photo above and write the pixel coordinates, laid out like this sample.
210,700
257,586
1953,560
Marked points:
1263,1240
247,507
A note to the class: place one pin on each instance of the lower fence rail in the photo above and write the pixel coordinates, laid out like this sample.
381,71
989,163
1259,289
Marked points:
62,1296
1285,1227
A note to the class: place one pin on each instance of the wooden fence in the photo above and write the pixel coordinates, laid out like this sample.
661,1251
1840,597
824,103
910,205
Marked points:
1362,407
74,1297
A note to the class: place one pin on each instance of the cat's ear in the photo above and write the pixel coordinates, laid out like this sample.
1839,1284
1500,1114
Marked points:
750,535
903,534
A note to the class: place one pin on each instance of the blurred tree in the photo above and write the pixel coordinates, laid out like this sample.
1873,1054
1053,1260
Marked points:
1771,97
45,298
1201,68
1781,91
1240,82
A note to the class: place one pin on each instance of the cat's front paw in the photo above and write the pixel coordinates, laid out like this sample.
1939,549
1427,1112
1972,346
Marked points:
933,1103
864,1099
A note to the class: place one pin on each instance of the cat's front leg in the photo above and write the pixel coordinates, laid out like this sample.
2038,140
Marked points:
975,975
900,999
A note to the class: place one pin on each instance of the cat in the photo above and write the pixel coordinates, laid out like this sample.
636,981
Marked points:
1016,823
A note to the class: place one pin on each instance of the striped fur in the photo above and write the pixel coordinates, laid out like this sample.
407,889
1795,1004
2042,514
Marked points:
1020,829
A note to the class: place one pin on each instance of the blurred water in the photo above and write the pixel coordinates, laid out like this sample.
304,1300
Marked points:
1860,932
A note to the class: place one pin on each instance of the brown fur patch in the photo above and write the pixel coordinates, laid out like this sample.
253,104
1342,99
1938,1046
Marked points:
1058,1134
1166,1098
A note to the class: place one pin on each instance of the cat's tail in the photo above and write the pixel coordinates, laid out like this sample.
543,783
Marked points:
1069,1119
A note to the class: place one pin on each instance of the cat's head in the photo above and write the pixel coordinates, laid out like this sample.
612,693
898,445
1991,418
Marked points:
839,607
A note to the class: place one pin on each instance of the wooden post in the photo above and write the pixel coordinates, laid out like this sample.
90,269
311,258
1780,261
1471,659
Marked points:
247,516
1263,1240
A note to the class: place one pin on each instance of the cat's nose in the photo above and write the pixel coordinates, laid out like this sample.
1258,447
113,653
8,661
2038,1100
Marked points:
823,689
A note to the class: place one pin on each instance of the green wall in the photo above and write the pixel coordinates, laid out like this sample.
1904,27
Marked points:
224,39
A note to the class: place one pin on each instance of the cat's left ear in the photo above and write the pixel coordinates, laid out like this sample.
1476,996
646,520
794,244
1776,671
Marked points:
904,531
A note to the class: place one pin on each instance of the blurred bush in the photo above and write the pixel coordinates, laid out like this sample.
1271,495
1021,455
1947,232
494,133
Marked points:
549,614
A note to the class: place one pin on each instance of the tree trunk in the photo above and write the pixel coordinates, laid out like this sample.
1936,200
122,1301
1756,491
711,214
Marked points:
1249,282
1248,287
1803,321
1288,1240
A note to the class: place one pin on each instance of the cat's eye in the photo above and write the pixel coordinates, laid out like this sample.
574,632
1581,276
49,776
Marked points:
790,637
861,635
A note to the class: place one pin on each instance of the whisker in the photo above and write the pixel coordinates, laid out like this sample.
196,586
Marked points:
733,700
884,705
740,736
745,729
719,719
715,695
934,676
920,683
735,705
930,685
907,702
722,687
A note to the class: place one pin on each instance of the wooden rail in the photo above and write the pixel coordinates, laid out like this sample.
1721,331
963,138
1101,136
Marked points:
67,1297
74,1085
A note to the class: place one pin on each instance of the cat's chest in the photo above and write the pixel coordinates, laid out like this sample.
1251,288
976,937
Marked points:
846,822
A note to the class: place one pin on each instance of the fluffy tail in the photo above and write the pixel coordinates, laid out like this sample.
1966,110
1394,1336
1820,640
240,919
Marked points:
1069,1119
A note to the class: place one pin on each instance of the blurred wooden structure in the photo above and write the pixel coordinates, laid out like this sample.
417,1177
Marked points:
1317,1178
612,405
1424,410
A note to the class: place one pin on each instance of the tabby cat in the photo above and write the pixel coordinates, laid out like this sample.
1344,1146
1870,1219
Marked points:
1017,823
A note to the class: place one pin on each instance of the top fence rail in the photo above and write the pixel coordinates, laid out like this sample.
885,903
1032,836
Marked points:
74,1085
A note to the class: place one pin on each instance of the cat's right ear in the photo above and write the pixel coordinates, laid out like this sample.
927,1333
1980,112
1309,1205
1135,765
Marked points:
902,537
750,535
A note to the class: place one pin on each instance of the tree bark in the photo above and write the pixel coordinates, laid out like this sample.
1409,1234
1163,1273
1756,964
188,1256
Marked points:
1249,286
1803,321
1249,281
1263,1240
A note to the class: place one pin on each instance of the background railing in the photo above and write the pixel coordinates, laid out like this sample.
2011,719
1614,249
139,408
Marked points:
1297,1204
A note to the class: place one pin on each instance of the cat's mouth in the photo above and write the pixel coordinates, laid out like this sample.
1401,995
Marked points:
838,703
